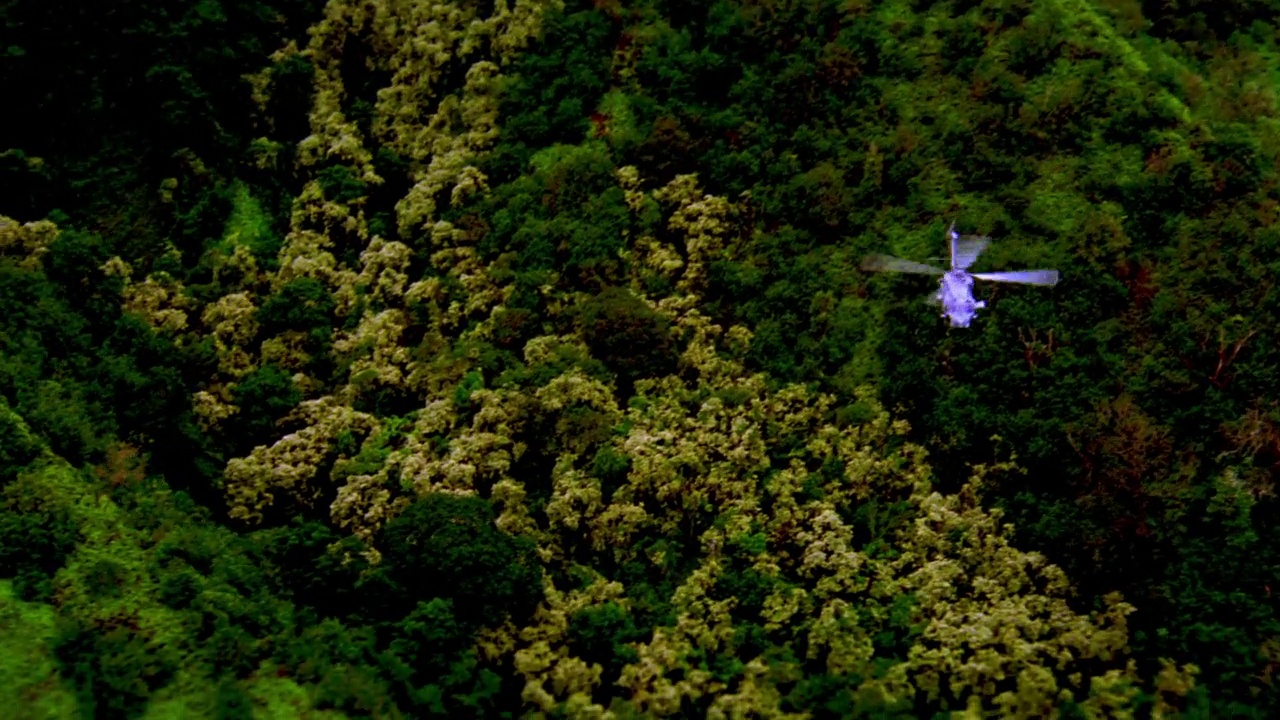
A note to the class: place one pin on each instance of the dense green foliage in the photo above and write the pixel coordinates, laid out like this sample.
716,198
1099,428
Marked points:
449,547
1131,415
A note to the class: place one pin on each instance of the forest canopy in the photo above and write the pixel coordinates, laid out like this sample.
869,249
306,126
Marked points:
445,358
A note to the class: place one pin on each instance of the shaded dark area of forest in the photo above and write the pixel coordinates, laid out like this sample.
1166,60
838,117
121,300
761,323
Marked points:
1126,422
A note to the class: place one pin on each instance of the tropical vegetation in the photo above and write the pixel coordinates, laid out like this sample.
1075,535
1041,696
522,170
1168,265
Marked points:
447,358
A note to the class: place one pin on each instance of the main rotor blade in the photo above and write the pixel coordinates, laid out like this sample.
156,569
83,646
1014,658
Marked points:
965,250
889,263
1027,277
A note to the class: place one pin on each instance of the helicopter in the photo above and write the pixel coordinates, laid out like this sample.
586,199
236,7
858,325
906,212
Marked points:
956,292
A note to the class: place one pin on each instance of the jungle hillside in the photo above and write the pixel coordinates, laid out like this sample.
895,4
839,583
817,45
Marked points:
514,359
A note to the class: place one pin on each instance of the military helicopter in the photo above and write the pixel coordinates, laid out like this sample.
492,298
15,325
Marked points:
956,291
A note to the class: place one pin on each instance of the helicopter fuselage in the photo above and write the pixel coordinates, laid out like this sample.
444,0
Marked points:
956,298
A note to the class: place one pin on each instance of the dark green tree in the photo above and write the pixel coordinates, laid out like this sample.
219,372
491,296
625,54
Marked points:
628,336
448,546
263,396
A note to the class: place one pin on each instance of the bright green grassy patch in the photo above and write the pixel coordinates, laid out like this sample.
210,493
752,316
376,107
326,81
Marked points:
248,225
277,698
620,121
30,687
